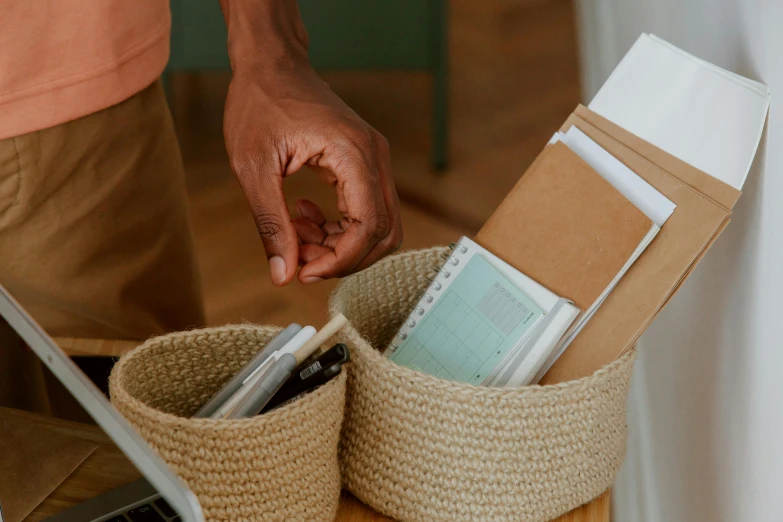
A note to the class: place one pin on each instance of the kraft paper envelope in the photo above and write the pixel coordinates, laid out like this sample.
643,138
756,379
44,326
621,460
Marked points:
33,462
703,211
573,230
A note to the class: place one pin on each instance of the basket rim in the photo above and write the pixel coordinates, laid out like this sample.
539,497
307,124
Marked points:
208,424
384,365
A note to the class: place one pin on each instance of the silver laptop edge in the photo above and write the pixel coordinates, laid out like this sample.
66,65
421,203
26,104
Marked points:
140,454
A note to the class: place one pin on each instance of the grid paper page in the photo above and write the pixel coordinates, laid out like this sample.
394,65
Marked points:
480,317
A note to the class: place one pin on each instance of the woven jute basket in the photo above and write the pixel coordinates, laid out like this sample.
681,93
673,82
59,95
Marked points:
423,449
279,466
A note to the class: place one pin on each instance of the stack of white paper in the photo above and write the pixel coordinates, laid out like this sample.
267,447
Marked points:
704,115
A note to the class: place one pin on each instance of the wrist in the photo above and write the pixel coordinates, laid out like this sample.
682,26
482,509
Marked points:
265,34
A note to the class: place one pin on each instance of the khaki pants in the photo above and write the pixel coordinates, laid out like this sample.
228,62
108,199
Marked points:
95,237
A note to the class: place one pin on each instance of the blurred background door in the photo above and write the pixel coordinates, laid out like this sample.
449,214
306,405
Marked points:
705,414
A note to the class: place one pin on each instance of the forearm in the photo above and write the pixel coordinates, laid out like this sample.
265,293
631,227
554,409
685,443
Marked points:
264,34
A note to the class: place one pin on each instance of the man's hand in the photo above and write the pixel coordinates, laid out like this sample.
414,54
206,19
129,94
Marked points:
280,116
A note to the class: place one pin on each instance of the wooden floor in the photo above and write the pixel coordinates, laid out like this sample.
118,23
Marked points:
513,80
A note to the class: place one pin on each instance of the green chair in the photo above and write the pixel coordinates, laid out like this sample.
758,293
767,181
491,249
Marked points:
344,34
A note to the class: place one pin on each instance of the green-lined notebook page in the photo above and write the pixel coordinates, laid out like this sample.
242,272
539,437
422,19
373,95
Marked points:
471,328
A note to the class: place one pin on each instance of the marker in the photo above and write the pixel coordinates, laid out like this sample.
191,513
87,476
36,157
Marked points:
312,375
301,338
235,383
265,387
304,335
279,372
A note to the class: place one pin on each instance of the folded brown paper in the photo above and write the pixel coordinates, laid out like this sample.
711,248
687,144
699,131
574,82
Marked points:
33,462
703,210
574,231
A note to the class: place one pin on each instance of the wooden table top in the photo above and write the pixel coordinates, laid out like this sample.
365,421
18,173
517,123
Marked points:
108,468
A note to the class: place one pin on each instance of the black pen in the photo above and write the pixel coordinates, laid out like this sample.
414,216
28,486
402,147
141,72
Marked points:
312,375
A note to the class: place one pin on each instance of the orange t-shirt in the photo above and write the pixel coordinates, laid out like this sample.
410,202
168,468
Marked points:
63,59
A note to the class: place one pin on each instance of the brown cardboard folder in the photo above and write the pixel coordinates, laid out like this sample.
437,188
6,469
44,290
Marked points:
597,228
703,210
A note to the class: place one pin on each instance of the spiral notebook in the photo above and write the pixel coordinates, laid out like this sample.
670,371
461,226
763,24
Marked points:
482,322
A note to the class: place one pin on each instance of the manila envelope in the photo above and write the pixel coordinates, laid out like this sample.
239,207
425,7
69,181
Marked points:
574,230
703,210
33,462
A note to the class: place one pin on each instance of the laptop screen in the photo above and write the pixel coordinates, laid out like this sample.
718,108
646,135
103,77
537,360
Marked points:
82,461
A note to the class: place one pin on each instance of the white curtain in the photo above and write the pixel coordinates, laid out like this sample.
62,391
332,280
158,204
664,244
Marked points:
706,407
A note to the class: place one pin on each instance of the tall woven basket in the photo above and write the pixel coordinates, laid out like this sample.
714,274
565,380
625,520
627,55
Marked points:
281,466
423,449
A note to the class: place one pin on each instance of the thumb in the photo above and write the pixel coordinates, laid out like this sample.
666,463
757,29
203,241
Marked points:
273,221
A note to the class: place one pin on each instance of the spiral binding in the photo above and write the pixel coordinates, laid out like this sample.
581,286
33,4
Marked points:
435,286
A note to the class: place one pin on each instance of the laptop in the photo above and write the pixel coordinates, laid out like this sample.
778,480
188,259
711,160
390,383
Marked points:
160,496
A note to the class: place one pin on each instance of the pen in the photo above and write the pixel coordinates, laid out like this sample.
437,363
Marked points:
312,375
304,335
300,339
265,387
278,371
236,382
329,329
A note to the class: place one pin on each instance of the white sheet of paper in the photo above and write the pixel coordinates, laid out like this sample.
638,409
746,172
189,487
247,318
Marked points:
700,113
644,196
655,205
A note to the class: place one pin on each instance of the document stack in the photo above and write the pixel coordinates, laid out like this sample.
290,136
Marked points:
597,235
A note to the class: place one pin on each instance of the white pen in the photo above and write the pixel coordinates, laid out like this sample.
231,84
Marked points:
304,335
264,388
275,374
296,342
236,382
